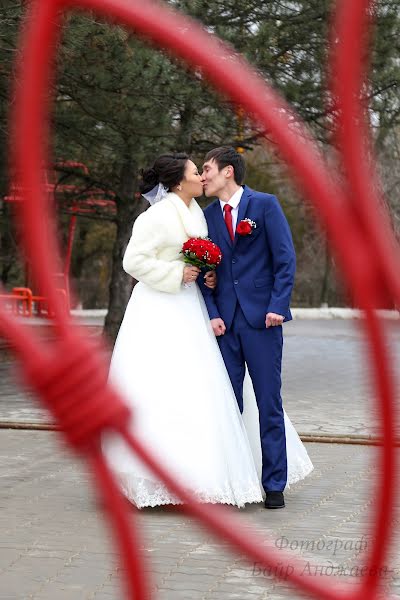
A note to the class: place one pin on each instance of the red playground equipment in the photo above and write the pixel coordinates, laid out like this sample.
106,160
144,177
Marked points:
74,202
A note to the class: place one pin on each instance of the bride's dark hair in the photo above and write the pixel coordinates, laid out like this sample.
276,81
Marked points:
168,169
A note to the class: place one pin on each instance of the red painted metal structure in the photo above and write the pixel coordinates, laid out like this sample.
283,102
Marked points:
75,203
69,375
78,204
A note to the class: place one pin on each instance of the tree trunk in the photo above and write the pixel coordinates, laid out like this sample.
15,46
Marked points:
128,208
8,252
325,280
184,139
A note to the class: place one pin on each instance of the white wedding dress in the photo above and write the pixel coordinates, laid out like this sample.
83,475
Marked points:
167,365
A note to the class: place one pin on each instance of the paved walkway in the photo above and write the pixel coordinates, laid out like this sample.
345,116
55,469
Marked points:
326,380
53,545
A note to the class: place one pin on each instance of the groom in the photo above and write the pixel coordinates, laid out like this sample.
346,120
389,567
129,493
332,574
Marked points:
251,300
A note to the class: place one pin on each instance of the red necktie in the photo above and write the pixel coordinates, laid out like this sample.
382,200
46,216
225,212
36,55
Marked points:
228,219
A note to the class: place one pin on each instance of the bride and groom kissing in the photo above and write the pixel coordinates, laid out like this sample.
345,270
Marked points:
198,358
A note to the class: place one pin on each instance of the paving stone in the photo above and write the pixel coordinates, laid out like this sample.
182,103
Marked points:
55,546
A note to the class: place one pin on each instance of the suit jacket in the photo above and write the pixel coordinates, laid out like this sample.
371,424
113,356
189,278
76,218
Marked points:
257,270
153,255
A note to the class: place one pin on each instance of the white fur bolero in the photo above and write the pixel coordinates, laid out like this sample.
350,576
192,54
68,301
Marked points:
153,253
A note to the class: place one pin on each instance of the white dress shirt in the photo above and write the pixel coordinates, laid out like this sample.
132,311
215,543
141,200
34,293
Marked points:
234,202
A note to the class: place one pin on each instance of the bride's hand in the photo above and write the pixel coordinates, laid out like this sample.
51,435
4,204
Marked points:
190,273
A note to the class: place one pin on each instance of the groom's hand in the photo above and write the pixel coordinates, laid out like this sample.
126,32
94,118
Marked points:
272,319
210,280
218,326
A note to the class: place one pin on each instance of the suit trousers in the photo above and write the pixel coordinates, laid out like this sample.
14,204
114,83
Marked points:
261,351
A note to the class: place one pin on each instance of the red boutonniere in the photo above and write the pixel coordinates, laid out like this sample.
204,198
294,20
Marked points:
245,227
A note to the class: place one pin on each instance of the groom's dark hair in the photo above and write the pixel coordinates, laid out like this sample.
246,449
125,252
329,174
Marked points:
224,156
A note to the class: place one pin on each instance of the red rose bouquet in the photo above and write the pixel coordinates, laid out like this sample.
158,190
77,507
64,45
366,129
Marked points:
201,252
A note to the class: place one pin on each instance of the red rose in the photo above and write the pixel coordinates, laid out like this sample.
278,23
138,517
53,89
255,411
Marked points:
244,228
201,252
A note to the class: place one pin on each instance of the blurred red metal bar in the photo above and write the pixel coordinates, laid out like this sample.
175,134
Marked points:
349,67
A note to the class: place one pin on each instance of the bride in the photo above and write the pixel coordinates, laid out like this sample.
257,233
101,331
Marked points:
167,365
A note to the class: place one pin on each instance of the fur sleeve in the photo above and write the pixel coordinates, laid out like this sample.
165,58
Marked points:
141,261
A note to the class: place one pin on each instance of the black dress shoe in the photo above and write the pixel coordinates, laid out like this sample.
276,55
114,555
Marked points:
274,500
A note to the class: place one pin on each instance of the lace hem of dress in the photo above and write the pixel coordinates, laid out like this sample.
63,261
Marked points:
302,469
147,493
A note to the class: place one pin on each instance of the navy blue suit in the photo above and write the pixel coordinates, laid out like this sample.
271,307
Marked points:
255,277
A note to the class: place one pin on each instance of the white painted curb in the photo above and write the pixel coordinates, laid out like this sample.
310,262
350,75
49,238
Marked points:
298,313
